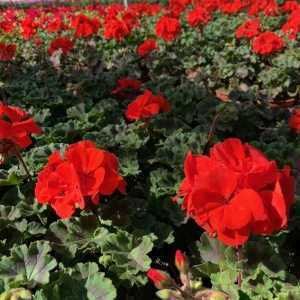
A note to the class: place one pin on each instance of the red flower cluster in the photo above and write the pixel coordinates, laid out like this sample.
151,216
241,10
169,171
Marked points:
292,26
16,126
167,28
248,29
230,6
84,173
116,29
7,51
29,27
198,16
294,120
85,26
61,43
236,191
160,279
146,106
146,47
125,84
267,43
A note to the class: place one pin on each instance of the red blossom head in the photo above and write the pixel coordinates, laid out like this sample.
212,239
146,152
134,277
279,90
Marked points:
116,28
230,6
61,43
78,179
267,43
248,29
125,84
294,120
181,262
16,126
236,191
160,279
146,106
146,47
85,26
198,16
7,51
167,28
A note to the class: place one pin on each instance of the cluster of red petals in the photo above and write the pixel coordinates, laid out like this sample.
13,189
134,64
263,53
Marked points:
7,51
29,27
289,6
159,278
292,27
85,26
294,120
56,25
230,6
249,29
267,43
268,7
116,28
176,7
61,43
7,26
236,191
82,175
146,106
16,126
167,28
125,84
198,16
146,47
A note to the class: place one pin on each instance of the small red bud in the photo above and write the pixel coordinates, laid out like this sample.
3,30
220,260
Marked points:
181,262
160,279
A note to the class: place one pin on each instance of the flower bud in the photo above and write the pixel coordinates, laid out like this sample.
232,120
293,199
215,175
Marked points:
160,279
181,262
163,294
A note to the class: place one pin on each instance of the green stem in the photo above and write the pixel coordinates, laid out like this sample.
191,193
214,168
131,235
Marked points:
21,160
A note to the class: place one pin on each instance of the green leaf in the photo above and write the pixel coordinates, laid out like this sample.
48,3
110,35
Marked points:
83,282
29,266
100,288
69,236
128,255
9,179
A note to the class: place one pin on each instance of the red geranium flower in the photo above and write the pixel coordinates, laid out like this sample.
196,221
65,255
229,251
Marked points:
230,6
292,26
147,105
57,24
268,7
289,6
198,16
116,28
167,28
209,5
236,191
85,26
16,126
62,43
7,26
29,27
267,43
7,51
176,7
126,83
248,29
83,174
146,47
294,121
160,279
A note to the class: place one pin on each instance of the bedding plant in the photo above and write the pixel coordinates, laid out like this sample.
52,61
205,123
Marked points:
150,151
